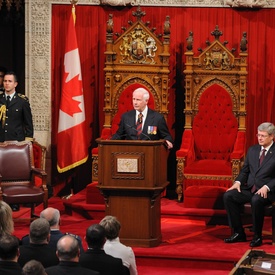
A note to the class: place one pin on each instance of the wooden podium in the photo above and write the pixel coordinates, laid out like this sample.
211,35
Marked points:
131,176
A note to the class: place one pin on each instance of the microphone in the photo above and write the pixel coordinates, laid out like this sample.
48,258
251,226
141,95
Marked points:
132,127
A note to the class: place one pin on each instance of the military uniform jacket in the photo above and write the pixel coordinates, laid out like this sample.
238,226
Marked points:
18,123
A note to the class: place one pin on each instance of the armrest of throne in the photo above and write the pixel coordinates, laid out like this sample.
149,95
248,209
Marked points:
238,154
184,155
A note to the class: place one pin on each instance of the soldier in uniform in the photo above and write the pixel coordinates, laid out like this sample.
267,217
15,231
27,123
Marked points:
15,115
15,112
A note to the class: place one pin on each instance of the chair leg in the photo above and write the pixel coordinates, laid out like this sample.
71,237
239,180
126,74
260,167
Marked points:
33,216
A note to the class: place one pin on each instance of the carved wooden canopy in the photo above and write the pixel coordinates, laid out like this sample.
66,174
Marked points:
216,65
137,56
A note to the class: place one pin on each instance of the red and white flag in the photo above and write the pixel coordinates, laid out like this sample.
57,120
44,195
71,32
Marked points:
72,149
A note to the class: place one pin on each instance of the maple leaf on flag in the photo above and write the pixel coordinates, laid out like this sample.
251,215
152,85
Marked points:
71,89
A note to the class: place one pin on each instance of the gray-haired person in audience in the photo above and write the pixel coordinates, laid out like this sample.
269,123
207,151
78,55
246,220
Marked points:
38,248
52,215
114,247
33,267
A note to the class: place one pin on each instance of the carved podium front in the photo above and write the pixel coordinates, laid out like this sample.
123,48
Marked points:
132,175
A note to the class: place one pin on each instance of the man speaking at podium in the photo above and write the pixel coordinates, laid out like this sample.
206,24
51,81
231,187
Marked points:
143,123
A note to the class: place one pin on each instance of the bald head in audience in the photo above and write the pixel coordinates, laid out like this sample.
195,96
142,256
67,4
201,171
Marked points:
68,249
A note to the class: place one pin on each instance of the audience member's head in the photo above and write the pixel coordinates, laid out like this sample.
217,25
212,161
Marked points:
39,231
112,227
9,248
68,249
95,236
6,221
52,215
33,267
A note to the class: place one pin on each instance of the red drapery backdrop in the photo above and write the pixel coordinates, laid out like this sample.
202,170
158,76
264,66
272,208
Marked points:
91,31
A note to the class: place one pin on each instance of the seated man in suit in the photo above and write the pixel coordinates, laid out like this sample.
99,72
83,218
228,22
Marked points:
95,257
38,248
142,122
68,253
52,215
254,184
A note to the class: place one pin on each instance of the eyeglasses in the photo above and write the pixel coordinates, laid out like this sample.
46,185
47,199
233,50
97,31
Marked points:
262,136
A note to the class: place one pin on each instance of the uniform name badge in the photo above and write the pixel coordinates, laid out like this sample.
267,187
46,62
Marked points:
152,130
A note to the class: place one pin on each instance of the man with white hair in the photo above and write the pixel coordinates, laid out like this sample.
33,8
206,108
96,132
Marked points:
143,123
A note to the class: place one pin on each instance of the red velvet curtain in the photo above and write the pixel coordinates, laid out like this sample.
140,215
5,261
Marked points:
91,31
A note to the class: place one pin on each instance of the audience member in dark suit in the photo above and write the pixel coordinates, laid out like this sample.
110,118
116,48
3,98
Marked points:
9,252
38,248
68,253
33,267
114,247
52,215
95,257
254,184
154,126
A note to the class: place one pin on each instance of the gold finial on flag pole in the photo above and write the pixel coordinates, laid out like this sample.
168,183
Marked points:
74,2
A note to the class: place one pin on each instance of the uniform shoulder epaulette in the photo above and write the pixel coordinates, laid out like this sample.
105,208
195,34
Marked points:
23,96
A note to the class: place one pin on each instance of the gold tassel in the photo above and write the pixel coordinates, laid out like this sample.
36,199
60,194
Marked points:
3,114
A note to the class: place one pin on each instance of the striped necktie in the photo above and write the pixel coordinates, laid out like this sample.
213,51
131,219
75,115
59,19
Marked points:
254,188
262,157
139,125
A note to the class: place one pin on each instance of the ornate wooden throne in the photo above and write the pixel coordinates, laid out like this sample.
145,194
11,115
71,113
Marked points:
213,142
136,58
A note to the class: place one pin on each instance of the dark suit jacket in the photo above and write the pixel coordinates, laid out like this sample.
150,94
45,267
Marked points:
127,127
69,268
18,125
252,174
55,236
97,259
40,252
10,268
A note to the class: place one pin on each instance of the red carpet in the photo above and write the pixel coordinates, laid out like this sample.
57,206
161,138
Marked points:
189,246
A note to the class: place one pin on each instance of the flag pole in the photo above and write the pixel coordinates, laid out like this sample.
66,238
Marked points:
72,178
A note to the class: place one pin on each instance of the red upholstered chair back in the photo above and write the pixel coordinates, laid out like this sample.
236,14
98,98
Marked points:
18,174
215,127
16,162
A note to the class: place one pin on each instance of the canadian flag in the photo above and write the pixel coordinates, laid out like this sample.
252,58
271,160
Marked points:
72,149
